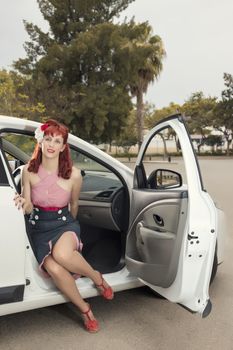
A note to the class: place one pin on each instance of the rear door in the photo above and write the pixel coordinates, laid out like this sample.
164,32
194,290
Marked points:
172,237
12,239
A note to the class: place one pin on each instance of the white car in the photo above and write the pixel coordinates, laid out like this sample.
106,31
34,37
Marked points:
141,227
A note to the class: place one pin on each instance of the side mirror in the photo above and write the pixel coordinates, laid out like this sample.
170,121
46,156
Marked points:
163,178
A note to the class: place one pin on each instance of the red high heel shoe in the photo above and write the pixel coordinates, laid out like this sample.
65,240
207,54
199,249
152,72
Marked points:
91,326
106,292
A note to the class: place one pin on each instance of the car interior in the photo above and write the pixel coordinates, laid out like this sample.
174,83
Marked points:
156,235
159,208
103,208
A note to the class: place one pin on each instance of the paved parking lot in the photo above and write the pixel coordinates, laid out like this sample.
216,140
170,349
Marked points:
136,319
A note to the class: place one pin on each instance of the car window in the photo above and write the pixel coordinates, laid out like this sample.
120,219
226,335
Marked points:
97,179
18,148
164,152
23,142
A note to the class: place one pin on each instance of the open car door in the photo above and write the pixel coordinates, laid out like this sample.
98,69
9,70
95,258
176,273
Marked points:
171,241
12,239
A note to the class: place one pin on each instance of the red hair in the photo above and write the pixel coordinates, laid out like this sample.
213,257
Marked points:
52,127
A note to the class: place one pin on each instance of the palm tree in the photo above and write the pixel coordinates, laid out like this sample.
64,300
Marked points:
148,53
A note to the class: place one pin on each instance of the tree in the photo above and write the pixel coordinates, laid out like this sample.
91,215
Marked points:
128,135
67,18
200,109
159,114
12,102
223,119
84,68
213,140
77,68
147,53
7,93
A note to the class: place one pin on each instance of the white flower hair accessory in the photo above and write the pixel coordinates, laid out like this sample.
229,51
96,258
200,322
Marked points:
39,132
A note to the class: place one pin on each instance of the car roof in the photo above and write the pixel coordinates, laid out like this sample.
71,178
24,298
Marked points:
17,123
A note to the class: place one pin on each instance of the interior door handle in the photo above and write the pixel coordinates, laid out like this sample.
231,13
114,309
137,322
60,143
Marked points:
158,220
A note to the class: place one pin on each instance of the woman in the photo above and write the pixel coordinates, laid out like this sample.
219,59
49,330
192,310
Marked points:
50,193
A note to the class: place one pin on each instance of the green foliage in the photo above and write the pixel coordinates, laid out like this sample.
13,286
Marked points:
85,67
200,109
213,140
13,101
128,135
159,114
67,18
227,94
147,53
7,93
223,118
85,84
224,110
78,69
205,113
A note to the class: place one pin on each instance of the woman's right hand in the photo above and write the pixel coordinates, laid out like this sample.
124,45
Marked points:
20,202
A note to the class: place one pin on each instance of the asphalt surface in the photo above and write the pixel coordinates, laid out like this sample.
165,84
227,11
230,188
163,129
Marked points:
136,319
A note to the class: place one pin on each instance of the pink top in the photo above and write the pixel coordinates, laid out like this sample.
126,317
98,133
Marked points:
47,192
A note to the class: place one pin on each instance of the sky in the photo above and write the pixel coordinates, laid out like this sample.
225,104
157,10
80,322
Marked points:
197,36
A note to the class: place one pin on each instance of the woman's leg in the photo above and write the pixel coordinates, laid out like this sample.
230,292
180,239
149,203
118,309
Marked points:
66,284
65,253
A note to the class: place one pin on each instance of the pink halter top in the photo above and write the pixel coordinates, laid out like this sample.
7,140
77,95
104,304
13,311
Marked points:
47,192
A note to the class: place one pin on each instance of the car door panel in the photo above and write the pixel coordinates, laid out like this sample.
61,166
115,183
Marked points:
153,245
143,197
98,214
172,237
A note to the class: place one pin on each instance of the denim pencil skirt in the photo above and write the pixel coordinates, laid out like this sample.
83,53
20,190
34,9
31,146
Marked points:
46,227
